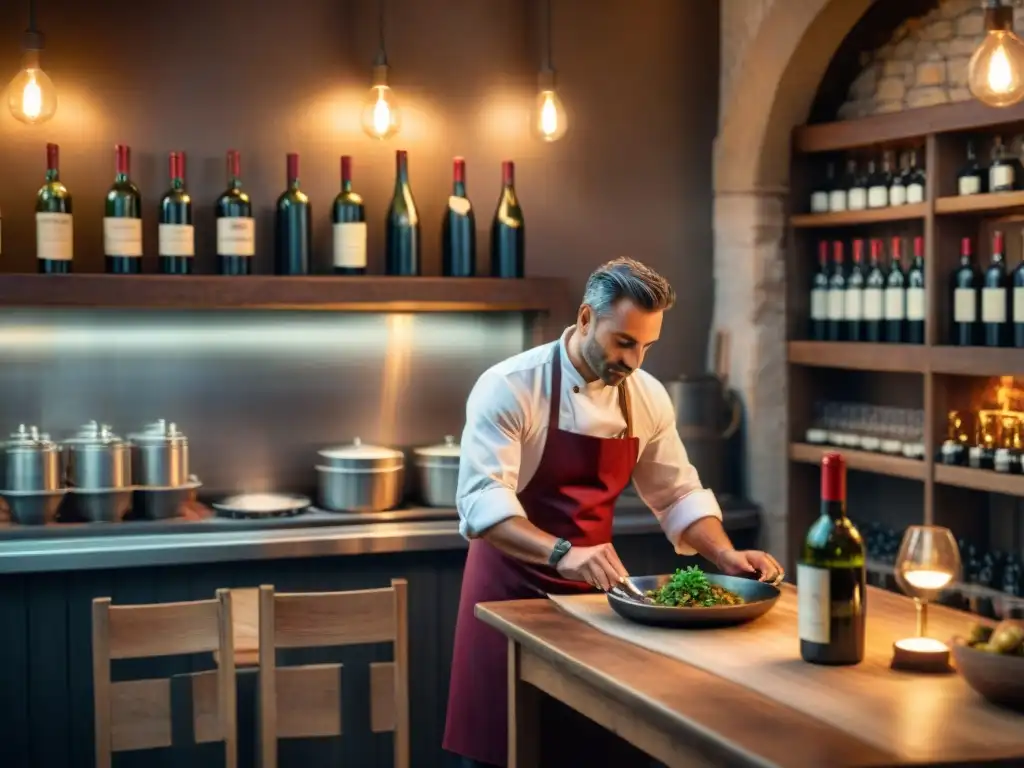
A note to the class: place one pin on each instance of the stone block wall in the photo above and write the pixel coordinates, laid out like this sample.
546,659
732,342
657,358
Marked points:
923,64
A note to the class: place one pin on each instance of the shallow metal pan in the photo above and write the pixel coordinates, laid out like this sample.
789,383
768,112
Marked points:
759,599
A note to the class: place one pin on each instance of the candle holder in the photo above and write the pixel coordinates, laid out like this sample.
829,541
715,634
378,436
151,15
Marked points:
927,563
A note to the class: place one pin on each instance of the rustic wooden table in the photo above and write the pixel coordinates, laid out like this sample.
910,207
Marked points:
685,716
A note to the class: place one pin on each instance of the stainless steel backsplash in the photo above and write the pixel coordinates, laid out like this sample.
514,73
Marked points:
257,393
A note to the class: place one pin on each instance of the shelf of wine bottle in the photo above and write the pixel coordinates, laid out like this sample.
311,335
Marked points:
980,479
859,356
864,461
994,202
852,218
977,361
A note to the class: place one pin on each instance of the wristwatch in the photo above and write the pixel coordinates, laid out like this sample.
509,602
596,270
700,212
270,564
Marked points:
561,548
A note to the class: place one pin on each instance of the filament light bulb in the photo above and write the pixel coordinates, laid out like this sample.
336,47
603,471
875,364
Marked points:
31,95
381,116
550,121
995,73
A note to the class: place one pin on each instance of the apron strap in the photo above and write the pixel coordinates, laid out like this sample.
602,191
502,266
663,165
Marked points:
625,406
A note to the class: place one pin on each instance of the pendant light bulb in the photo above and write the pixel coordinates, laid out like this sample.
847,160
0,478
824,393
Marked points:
31,95
995,73
550,119
381,117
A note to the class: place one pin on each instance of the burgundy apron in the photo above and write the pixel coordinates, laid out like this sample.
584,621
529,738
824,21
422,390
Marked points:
571,496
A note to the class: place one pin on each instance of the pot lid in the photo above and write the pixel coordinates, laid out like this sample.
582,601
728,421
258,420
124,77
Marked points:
29,438
356,450
95,433
159,431
449,449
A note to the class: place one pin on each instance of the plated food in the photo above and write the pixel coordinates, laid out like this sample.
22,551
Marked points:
1007,638
690,588
991,660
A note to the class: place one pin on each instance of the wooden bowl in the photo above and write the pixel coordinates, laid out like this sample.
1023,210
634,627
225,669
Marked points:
997,677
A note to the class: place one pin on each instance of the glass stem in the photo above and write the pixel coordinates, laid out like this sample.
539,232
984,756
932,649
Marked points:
922,617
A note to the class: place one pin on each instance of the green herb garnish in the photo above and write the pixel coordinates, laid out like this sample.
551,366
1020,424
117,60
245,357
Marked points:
690,588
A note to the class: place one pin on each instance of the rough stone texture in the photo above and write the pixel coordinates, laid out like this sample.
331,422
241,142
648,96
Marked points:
930,54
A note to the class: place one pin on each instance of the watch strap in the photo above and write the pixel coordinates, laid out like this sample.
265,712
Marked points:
559,551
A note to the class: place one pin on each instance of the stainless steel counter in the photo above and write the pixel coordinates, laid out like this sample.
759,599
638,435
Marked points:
26,550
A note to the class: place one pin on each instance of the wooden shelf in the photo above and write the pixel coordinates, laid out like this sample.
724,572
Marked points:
977,361
864,461
978,204
853,218
893,358
980,480
349,294
901,126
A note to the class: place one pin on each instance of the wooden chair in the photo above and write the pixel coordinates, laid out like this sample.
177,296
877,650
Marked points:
137,714
305,701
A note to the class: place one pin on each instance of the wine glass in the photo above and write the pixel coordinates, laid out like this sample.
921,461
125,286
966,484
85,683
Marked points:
927,563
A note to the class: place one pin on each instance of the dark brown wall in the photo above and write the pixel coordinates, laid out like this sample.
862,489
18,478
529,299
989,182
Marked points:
633,176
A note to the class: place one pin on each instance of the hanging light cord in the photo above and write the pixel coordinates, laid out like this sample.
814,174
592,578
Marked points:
382,56
33,37
547,39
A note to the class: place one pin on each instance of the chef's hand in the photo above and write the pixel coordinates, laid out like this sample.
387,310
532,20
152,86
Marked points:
598,566
737,562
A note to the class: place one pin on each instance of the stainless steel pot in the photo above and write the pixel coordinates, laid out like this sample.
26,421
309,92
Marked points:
360,478
31,476
160,456
437,470
97,459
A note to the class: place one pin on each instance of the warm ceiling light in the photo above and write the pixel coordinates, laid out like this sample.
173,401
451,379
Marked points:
995,73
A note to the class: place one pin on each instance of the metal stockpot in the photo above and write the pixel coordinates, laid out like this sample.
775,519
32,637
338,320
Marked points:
31,462
360,478
160,456
97,459
437,470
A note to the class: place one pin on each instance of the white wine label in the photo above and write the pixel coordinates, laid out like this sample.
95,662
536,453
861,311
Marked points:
873,303
1000,177
461,205
813,604
915,304
993,305
969,185
837,200
915,193
835,304
819,304
236,236
895,304
965,305
819,202
878,197
897,194
177,240
854,309
350,244
857,199
54,236
122,237
1018,305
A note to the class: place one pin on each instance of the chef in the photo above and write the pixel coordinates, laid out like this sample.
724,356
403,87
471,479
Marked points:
553,435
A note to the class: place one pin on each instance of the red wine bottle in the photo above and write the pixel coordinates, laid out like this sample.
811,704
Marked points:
402,229
349,218
236,228
54,225
995,296
916,307
293,226
831,578
819,295
508,230
966,282
122,219
853,311
837,295
458,230
895,295
1017,278
177,239
874,295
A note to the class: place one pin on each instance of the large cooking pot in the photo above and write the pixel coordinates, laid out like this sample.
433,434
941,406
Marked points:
437,469
31,480
360,478
707,415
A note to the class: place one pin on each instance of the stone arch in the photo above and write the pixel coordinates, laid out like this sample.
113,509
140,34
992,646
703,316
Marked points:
775,85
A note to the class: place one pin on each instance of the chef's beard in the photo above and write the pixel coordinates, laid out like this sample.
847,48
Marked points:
612,374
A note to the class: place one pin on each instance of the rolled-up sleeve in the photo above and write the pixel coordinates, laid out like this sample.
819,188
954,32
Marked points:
668,483
490,454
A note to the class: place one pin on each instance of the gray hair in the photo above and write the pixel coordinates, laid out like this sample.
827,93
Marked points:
626,278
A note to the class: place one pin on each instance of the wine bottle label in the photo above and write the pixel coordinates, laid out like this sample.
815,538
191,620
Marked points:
835,304
54,236
878,197
1000,177
915,193
837,200
897,194
350,244
177,240
819,304
993,305
965,305
915,304
122,236
236,236
895,304
1018,305
461,205
969,185
854,307
814,604
873,303
857,199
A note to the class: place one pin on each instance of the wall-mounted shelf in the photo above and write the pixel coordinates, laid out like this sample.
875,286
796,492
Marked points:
977,361
864,461
267,292
994,203
980,479
853,218
893,358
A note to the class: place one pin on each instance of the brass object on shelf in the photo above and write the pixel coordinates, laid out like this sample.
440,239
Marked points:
954,449
1007,457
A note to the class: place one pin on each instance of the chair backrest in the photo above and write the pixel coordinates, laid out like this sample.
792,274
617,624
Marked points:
305,701
137,714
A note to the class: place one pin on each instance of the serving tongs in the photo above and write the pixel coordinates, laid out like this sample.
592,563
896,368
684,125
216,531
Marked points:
627,590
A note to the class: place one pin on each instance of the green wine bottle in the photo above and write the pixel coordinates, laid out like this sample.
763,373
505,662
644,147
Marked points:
122,219
54,225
